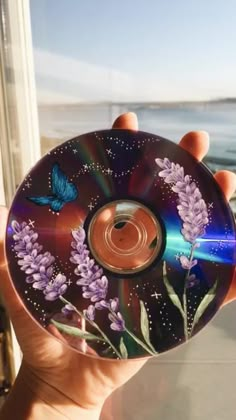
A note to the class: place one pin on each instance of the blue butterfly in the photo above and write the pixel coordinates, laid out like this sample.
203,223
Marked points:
63,191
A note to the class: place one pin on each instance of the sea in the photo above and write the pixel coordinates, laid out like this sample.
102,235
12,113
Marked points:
169,120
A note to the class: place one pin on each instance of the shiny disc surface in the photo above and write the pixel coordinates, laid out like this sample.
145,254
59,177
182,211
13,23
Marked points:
121,243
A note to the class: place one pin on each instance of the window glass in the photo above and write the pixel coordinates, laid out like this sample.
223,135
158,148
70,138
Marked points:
173,63
19,134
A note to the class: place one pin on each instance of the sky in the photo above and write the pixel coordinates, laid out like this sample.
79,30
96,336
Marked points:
134,50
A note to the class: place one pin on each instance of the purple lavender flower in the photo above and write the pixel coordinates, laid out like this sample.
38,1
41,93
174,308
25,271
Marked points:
25,239
103,304
114,304
192,281
186,263
20,230
94,283
86,267
87,271
67,309
191,207
90,312
87,278
38,267
79,235
171,172
117,321
97,290
90,275
32,262
55,288
40,279
78,256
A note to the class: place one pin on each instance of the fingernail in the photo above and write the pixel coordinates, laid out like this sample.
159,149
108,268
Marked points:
133,116
205,133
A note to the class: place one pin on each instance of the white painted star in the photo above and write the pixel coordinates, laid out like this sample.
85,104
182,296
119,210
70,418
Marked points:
109,152
31,223
86,166
109,171
156,295
90,206
69,282
27,184
210,205
75,151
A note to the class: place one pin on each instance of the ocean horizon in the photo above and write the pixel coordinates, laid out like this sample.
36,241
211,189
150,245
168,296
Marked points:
169,120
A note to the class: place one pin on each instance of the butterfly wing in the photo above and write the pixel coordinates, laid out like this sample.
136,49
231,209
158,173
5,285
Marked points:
54,203
64,190
42,201
57,205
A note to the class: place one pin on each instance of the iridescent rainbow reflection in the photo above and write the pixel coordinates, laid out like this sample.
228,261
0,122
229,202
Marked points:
104,167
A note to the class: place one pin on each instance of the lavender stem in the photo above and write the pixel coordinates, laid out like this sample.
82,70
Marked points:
136,338
139,342
106,339
185,306
93,324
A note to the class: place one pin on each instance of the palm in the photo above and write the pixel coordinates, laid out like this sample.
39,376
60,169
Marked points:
55,362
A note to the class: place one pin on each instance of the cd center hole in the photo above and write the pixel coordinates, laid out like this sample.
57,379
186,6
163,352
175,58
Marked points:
125,235
119,225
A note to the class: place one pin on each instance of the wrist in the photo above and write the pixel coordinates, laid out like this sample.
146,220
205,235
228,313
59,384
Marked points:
33,399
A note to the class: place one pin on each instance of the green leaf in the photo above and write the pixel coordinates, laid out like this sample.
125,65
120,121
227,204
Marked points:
144,324
123,349
208,298
67,329
171,293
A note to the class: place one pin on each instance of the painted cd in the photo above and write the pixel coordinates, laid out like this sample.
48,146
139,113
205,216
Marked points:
122,242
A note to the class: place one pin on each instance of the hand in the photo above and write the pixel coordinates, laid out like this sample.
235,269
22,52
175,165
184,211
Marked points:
54,377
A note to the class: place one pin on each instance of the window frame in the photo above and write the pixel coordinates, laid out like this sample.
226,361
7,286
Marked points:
19,126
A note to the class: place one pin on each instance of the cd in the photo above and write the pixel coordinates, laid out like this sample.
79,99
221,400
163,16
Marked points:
121,244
